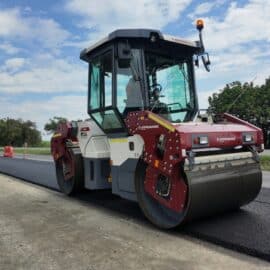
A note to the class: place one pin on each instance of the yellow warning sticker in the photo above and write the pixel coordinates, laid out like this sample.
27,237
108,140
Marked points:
118,140
161,122
57,135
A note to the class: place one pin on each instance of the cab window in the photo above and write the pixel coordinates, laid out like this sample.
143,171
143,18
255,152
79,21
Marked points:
100,93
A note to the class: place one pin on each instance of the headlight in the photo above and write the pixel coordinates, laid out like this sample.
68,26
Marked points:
247,138
203,140
200,140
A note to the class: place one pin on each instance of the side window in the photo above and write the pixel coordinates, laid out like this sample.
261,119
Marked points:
108,88
101,81
107,120
101,87
95,87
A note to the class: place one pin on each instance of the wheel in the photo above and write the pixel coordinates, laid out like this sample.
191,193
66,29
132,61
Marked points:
69,172
157,213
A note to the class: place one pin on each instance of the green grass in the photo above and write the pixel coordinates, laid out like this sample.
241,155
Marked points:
265,163
33,150
46,144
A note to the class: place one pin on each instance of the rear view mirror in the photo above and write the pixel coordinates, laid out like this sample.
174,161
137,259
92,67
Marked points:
206,61
124,55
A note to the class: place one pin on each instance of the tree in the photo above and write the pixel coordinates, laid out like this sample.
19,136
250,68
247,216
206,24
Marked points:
249,102
17,132
51,126
246,101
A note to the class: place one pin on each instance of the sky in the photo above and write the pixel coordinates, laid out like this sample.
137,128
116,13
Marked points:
41,75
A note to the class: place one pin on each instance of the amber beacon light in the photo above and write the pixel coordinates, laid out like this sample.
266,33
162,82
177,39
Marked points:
199,24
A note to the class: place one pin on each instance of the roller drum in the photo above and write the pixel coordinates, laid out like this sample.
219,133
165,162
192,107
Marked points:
215,184
221,189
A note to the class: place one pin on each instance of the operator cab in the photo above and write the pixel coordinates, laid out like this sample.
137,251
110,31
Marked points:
138,69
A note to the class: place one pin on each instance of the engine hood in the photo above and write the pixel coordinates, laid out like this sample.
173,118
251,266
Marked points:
218,135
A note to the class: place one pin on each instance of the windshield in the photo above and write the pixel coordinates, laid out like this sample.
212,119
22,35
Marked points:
170,87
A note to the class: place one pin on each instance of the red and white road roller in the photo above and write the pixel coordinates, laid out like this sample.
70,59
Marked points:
145,139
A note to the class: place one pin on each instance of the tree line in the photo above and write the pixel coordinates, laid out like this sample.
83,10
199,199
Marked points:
16,132
246,101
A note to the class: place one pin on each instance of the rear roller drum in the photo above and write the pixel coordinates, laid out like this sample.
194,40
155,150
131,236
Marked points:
69,172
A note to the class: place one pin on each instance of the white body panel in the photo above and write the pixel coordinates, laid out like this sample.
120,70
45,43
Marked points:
94,142
120,149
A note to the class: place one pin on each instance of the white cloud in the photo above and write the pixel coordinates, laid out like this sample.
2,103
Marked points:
110,15
203,8
203,98
9,48
27,9
14,64
43,73
239,45
232,66
240,25
71,107
46,32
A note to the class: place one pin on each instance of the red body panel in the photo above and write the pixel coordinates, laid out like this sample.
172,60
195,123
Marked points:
59,148
219,135
226,134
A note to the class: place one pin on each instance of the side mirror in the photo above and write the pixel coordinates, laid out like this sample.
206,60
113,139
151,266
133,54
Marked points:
124,55
206,61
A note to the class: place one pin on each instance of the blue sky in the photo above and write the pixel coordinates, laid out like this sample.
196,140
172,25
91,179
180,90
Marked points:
40,41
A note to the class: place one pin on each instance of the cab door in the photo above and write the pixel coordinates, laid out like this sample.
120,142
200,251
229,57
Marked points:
101,93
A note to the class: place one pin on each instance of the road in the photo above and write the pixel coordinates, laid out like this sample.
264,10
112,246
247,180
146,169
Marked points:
42,229
34,157
246,230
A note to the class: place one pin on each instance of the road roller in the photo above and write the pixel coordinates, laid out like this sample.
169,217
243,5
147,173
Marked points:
146,139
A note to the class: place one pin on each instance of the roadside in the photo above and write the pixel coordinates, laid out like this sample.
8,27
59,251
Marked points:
265,163
266,152
33,150
42,229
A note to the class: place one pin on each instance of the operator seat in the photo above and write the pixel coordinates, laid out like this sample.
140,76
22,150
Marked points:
134,99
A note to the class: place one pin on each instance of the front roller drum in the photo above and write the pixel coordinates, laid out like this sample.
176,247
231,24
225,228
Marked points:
69,172
223,189
208,192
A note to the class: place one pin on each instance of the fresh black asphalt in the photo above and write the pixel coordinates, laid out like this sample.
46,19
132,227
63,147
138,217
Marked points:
246,230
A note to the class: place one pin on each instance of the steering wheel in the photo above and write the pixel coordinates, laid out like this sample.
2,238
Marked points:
156,88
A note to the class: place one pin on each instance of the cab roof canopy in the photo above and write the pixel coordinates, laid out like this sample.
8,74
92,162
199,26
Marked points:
142,35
